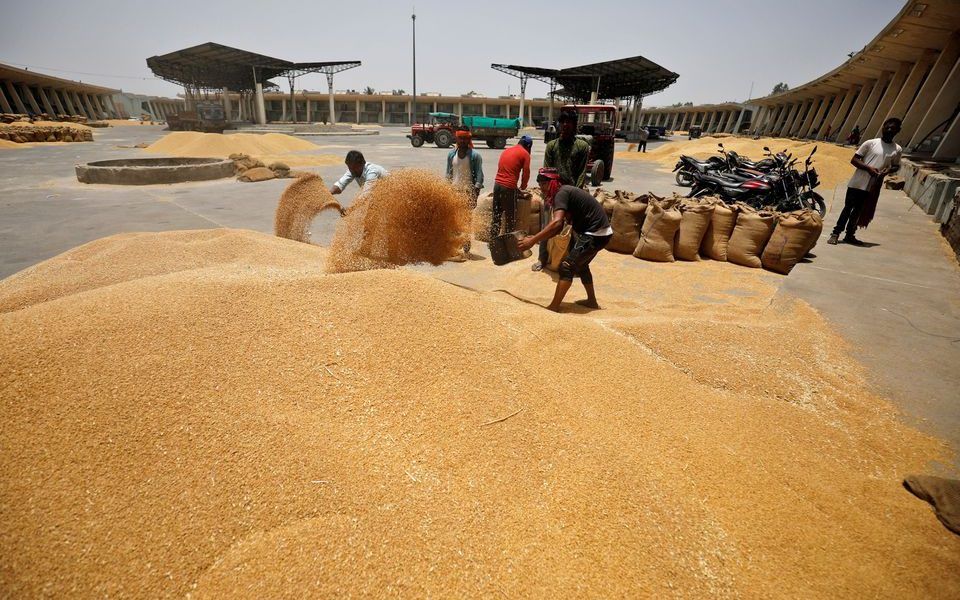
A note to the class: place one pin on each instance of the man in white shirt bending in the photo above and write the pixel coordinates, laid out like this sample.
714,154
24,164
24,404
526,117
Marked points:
359,170
874,160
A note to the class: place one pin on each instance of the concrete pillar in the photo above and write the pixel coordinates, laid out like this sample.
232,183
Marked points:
841,112
887,100
28,94
942,107
909,89
949,146
45,101
69,101
805,108
81,110
789,114
831,116
870,106
225,97
673,122
855,110
409,112
708,122
5,104
529,121
383,111
97,107
112,111
358,109
484,107
814,114
261,106
774,120
283,109
15,96
931,87
91,111
819,119
309,111
739,122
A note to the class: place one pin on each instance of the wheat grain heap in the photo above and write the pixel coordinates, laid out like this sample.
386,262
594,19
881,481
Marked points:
208,413
411,216
269,147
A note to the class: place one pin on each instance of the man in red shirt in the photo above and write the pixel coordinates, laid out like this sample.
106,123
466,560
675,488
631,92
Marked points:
514,164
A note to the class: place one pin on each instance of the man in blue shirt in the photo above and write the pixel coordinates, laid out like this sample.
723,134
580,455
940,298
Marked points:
465,172
359,170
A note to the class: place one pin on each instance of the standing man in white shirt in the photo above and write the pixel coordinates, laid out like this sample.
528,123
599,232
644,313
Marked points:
465,172
874,160
359,170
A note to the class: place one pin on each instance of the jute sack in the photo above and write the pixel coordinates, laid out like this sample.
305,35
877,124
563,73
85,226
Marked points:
750,235
626,223
795,234
658,232
558,246
717,236
695,218
482,217
523,213
257,174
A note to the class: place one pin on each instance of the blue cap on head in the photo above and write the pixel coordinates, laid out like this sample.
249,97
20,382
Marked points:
526,140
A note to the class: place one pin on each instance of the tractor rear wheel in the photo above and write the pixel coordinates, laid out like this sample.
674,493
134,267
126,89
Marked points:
443,138
499,143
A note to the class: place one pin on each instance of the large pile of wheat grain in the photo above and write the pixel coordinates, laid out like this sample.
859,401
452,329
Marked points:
411,216
269,147
214,416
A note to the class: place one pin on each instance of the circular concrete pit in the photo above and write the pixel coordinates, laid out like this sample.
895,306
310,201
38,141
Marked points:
147,171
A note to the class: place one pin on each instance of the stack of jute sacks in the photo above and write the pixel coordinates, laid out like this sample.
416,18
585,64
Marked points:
677,228
24,134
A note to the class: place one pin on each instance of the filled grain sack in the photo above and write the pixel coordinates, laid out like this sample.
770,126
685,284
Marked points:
257,174
794,235
659,229
694,221
717,236
482,217
522,213
558,246
750,235
626,223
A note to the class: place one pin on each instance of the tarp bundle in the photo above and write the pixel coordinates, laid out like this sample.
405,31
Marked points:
750,235
694,221
658,232
717,236
796,234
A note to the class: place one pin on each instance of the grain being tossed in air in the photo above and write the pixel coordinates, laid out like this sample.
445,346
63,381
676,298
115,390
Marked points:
300,203
411,216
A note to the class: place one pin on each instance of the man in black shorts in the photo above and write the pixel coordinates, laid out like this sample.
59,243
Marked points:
592,232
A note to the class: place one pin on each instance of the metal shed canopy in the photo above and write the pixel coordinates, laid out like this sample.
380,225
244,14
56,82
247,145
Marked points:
636,76
212,66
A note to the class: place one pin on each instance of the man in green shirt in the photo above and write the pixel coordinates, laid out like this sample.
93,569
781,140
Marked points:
568,154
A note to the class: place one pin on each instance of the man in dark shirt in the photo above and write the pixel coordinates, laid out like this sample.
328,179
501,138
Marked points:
592,232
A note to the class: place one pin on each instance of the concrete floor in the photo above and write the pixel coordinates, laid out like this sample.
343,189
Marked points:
897,302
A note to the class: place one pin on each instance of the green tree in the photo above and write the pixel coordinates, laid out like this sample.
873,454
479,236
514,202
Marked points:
369,91
780,87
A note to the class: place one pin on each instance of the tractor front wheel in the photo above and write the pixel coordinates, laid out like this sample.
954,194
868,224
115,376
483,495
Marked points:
416,140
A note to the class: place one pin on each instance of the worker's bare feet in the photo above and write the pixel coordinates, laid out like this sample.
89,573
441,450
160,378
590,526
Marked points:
588,303
555,309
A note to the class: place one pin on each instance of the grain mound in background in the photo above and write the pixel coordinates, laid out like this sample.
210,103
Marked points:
235,430
201,145
750,235
694,222
299,204
796,234
412,216
659,230
717,236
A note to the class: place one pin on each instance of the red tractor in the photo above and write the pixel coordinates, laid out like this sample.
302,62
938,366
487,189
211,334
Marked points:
597,124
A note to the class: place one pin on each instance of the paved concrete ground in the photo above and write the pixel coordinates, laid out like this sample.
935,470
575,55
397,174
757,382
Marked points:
898,301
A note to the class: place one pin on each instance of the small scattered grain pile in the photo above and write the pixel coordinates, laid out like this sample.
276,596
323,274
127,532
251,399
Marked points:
411,216
299,205
224,428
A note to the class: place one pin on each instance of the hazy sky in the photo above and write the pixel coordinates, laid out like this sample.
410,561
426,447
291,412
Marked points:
718,47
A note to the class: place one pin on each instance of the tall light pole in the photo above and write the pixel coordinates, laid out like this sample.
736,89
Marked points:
413,117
